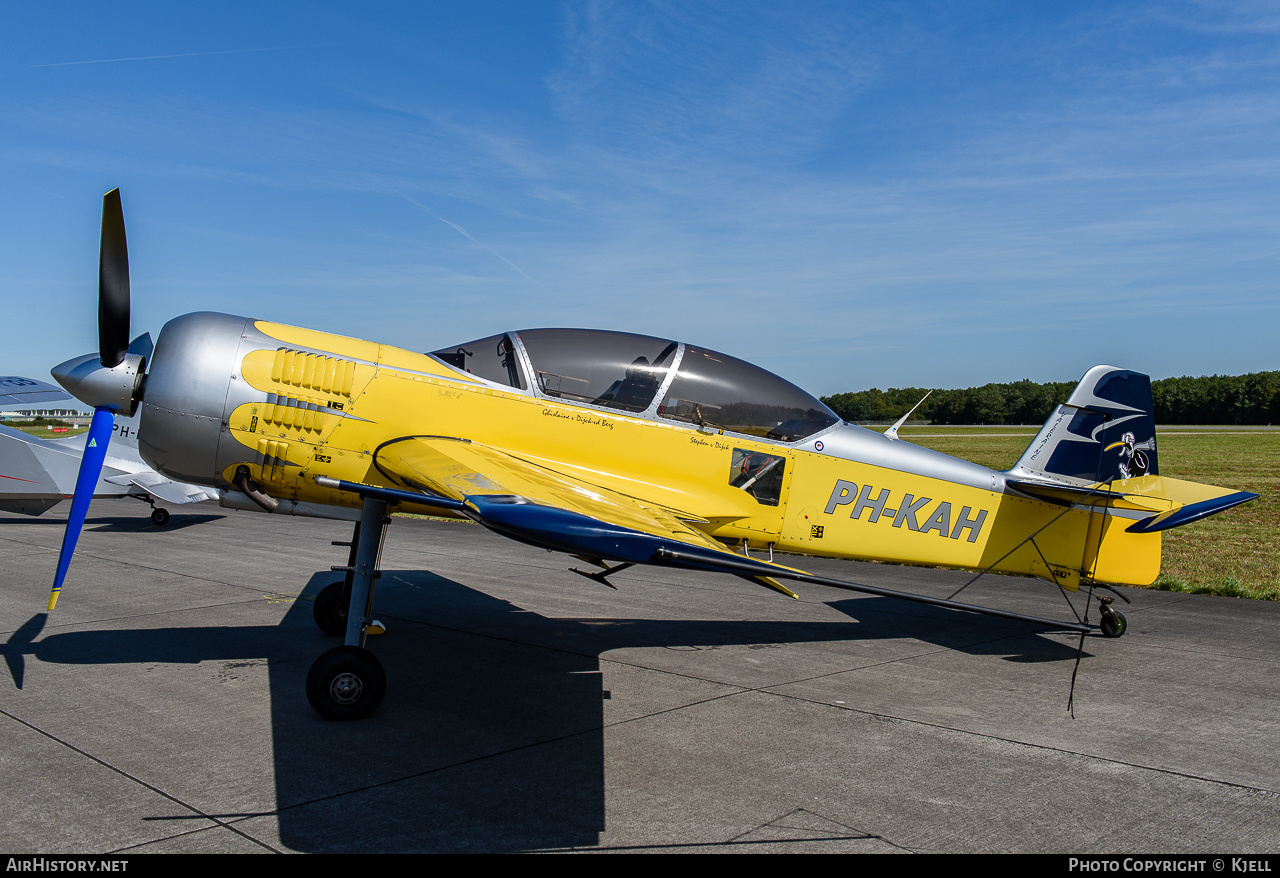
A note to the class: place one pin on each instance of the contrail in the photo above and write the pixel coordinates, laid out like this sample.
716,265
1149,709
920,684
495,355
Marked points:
470,237
182,55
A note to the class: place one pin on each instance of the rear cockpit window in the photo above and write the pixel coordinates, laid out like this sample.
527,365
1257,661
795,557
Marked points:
715,390
616,370
492,358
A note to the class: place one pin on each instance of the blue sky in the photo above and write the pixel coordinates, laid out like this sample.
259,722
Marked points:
850,194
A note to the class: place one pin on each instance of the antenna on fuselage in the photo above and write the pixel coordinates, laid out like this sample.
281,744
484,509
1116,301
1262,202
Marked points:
892,432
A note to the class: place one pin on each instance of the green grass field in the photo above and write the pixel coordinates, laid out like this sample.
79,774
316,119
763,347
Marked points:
45,432
1235,553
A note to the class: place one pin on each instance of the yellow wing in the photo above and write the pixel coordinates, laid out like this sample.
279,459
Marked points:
494,482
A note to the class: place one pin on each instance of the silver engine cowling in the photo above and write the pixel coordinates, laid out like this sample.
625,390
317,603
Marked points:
192,386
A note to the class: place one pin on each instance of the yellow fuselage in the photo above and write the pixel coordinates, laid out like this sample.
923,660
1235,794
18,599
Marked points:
828,505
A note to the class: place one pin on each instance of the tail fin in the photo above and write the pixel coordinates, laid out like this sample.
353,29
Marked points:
1105,431
1097,452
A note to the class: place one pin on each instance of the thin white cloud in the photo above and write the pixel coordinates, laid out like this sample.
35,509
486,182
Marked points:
177,55
470,237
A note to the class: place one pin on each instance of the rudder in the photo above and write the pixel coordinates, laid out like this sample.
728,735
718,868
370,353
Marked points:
1105,431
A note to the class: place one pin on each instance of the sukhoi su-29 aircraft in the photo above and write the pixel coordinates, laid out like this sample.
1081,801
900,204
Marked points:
617,449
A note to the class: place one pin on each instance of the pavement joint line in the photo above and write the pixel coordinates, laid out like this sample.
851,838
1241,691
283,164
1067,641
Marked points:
777,822
1183,647
1191,650
226,819
395,780
678,845
191,832
893,661
761,689
1032,746
131,562
136,780
167,612
969,732
484,757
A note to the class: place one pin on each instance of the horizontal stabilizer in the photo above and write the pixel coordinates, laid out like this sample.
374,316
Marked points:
1189,513
1065,494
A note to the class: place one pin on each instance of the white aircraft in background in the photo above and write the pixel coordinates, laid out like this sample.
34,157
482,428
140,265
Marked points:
37,474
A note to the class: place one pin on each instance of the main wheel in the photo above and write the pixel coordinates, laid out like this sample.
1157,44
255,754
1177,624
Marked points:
347,682
1114,623
330,609
159,517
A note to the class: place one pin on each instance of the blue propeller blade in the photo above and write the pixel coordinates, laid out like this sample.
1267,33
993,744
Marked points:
95,452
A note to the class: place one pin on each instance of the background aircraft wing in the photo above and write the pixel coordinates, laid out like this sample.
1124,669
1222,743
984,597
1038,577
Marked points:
15,390
164,489
36,474
26,484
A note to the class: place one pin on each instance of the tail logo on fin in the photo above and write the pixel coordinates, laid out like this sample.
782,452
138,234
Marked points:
1133,455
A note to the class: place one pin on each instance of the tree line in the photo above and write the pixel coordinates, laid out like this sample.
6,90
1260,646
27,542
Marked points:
1216,399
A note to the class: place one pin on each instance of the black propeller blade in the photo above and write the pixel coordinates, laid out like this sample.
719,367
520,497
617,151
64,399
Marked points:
113,284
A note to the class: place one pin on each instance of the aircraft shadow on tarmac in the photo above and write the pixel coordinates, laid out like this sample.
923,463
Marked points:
122,523
491,736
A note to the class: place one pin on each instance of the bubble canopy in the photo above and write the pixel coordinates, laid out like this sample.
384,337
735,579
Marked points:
647,376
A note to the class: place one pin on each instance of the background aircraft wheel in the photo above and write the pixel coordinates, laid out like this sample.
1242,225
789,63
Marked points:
330,609
159,516
347,682
1114,623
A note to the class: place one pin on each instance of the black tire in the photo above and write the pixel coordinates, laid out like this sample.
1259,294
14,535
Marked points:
1114,624
330,609
159,517
347,682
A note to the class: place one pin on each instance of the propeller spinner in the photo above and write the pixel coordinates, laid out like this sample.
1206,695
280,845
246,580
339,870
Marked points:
110,381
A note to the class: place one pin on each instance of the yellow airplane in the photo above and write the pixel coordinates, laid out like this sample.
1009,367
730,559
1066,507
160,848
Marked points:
617,449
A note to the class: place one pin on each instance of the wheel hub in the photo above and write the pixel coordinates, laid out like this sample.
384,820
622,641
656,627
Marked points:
346,688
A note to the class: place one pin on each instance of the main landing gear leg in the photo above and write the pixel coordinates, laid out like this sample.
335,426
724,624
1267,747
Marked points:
159,515
330,607
348,682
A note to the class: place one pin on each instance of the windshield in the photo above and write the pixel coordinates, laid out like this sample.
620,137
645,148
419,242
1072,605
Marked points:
491,358
612,369
717,390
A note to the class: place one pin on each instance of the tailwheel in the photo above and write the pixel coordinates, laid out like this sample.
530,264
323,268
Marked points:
159,517
347,682
330,608
1114,623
